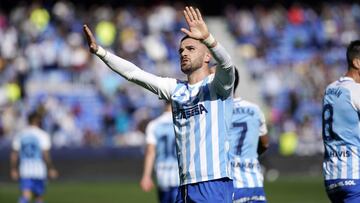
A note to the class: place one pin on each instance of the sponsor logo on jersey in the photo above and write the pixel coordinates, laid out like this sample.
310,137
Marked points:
186,113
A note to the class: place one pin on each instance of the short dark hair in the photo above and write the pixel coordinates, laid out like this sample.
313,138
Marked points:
352,52
34,118
237,78
185,37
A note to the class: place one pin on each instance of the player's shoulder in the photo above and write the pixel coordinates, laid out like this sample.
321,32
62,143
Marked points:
346,83
40,132
239,102
166,117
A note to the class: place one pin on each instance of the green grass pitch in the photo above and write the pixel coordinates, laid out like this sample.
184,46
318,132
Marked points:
284,190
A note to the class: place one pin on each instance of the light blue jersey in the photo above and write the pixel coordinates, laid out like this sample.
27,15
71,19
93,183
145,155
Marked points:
202,118
248,124
160,132
30,144
341,131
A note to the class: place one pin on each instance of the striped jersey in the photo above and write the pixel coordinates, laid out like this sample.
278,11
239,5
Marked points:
341,129
160,132
201,113
201,119
30,144
248,124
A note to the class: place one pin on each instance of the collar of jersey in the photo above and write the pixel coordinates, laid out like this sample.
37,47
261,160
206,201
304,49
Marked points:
345,78
198,83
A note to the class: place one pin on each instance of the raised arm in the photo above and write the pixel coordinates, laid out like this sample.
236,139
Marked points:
161,86
224,75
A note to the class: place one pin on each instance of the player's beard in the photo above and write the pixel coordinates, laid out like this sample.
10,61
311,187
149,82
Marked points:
189,67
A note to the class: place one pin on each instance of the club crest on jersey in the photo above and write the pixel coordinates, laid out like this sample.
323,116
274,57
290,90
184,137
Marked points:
186,113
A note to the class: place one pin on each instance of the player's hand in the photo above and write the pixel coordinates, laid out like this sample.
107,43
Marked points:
14,174
53,174
93,47
197,27
146,184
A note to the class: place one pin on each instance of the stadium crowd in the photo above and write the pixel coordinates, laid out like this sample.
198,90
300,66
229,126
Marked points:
293,53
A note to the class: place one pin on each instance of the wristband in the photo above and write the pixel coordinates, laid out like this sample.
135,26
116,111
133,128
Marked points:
209,40
101,52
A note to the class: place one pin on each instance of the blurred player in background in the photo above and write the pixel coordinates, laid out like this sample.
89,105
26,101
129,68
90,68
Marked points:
201,108
341,132
30,160
161,156
248,140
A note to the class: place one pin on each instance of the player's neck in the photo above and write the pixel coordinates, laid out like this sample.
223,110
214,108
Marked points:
354,74
198,75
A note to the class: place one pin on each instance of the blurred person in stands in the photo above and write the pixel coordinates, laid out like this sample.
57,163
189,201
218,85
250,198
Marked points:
341,132
201,108
30,160
161,156
249,139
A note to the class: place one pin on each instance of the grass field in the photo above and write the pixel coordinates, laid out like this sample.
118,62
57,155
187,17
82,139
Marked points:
284,190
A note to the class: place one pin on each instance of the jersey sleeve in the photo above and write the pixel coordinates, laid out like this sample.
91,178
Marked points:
150,134
16,143
162,86
225,74
45,141
262,124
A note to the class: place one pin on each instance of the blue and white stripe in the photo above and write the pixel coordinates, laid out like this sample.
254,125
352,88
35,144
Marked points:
245,167
341,130
30,144
201,131
342,166
160,132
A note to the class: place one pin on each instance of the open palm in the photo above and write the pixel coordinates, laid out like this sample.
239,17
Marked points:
197,27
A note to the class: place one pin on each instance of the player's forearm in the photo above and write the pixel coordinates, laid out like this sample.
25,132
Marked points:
218,52
13,160
149,161
224,75
263,144
48,161
157,85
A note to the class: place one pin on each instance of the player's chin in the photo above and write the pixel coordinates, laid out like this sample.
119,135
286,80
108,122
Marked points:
186,68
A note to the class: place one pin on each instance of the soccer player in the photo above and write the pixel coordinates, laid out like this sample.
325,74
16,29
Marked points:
248,140
201,108
30,160
160,149
341,132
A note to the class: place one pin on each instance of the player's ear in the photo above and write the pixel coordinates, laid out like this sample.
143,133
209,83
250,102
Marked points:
207,57
356,63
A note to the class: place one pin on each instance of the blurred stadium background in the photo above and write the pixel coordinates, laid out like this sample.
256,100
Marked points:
286,52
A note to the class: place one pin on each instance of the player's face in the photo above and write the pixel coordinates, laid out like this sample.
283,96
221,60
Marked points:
192,55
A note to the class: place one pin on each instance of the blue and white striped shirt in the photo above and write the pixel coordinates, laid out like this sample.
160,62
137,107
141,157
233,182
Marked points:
30,144
202,118
160,132
248,124
341,129
201,113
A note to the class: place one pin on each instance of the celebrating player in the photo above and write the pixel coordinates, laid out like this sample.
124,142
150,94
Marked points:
248,139
30,160
160,148
341,132
201,108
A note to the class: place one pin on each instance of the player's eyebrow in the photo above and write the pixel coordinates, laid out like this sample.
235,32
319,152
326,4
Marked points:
187,47
180,50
